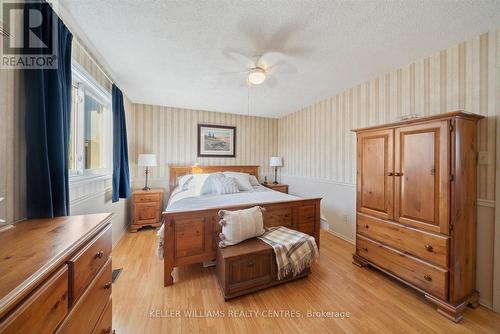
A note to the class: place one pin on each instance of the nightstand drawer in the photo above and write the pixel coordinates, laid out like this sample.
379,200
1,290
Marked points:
283,189
147,198
277,187
147,211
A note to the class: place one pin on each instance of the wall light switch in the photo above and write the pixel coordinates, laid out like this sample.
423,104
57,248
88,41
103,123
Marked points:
483,158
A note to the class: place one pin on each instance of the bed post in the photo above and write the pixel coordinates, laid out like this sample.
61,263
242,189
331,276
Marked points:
168,251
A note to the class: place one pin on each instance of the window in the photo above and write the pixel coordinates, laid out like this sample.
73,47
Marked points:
90,151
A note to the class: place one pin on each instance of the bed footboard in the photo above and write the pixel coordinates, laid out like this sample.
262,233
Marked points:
191,236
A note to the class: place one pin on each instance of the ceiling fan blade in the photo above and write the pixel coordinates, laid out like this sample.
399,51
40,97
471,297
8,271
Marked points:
270,58
240,59
282,67
232,72
271,81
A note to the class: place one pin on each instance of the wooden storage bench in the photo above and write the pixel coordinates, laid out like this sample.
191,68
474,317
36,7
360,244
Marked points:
248,267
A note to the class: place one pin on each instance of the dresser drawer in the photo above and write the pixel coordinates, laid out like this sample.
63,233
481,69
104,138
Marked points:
43,310
427,246
140,198
87,311
425,276
249,271
85,265
104,325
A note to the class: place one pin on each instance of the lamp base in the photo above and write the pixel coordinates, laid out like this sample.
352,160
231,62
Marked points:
275,182
146,188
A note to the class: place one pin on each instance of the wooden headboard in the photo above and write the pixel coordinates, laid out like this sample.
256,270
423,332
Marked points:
177,171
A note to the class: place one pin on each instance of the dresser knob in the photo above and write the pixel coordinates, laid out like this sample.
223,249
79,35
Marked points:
429,248
390,174
428,277
367,226
365,249
107,286
99,254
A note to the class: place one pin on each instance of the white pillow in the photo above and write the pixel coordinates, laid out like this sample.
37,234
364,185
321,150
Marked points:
240,225
209,184
184,180
197,183
226,185
242,180
253,180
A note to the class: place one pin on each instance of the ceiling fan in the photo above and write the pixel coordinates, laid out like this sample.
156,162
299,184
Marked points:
260,68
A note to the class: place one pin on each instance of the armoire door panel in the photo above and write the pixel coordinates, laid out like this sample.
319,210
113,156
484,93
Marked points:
375,166
422,176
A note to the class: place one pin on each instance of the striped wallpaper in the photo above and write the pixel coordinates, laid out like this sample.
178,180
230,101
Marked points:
317,142
79,54
12,147
171,134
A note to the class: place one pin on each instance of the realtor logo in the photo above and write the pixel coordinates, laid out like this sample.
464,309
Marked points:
26,40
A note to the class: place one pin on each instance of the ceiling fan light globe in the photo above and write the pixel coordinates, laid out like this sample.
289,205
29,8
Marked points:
257,76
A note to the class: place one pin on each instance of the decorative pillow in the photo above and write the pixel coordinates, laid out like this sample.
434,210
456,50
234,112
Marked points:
253,180
240,225
209,184
226,185
242,179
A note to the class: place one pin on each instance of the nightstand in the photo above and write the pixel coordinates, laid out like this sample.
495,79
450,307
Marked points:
278,187
146,208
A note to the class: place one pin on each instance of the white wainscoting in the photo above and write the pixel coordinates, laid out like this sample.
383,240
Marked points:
94,196
338,206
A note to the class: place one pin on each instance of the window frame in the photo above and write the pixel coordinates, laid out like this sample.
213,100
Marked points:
87,85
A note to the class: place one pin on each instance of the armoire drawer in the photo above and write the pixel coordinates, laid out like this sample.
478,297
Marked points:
425,276
427,246
85,265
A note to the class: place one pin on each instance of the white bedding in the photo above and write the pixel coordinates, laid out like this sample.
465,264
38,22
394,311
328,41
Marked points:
182,200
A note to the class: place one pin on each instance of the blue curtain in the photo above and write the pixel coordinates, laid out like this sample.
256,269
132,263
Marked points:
121,176
47,122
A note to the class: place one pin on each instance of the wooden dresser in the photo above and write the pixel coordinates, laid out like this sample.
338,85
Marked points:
56,276
416,211
147,206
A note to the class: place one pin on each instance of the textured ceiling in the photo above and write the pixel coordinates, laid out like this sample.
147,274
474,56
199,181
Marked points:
172,53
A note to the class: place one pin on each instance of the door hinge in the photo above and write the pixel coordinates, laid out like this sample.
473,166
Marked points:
450,227
451,127
451,177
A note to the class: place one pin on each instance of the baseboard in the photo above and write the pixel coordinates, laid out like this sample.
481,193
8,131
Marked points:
340,236
122,233
485,303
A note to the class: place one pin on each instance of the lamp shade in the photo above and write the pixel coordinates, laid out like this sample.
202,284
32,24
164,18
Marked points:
146,160
276,162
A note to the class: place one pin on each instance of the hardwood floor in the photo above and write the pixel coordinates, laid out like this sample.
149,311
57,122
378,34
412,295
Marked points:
375,302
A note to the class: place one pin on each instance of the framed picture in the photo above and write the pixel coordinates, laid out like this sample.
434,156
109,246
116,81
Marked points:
216,141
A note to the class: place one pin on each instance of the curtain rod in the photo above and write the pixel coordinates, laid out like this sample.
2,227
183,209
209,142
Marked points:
93,60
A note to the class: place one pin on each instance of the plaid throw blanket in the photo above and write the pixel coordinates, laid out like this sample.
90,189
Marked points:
295,251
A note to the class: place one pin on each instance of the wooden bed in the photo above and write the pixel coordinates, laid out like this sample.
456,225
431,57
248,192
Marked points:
191,236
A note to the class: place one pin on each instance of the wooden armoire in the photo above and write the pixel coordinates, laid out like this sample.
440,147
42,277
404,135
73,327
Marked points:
416,206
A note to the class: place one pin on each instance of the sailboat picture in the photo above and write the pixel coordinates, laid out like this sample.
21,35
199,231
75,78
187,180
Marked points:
216,141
